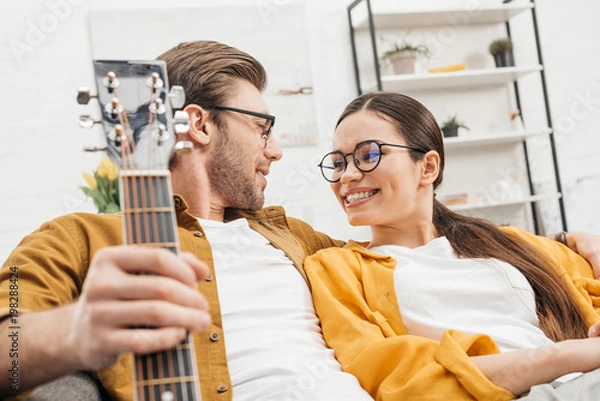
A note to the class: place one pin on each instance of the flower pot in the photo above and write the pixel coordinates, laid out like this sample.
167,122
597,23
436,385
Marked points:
403,62
450,131
504,59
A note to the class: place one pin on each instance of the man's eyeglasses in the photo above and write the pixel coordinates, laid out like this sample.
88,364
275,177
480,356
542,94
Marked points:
269,118
366,157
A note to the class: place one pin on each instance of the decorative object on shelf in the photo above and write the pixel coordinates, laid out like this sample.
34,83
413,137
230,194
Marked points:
403,56
451,125
103,187
501,49
516,120
455,199
448,68
501,191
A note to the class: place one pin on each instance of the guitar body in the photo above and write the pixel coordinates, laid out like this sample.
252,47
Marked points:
136,116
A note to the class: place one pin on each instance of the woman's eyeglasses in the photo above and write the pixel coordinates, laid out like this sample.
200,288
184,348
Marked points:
366,157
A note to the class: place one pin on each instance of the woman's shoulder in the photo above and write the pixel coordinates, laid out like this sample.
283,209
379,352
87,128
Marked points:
566,259
540,242
354,253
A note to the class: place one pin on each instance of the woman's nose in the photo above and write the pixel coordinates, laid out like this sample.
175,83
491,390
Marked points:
352,172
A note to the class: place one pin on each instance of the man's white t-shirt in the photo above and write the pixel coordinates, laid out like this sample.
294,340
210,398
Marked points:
275,349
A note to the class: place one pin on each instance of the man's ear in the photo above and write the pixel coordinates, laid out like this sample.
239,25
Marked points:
430,167
200,126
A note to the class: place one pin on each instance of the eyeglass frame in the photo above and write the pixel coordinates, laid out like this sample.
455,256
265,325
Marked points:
271,118
345,156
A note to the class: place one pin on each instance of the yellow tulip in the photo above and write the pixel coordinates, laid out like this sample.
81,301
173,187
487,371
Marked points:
91,180
107,169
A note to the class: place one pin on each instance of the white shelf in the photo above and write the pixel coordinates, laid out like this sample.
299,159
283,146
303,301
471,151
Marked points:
456,16
512,202
453,79
491,139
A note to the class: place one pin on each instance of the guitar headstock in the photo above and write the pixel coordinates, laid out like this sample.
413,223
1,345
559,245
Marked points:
136,109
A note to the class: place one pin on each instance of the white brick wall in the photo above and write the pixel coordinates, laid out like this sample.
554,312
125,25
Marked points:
45,56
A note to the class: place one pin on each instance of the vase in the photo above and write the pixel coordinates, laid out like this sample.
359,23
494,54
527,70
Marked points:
403,62
450,131
504,59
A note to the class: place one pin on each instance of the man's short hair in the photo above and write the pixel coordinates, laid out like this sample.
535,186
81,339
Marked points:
207,70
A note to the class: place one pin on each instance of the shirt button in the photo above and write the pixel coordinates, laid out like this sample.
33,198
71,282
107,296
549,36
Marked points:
214,336
222,388
209,277
198,234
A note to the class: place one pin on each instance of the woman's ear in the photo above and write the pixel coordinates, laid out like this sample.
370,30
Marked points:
199,131
430,167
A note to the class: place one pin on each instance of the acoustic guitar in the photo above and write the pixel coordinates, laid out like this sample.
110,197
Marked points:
136,109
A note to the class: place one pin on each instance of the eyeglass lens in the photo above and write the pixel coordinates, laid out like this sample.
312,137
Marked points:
269,120
365,157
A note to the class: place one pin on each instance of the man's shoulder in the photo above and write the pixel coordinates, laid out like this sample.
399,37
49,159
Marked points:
87,220
82,228
275,214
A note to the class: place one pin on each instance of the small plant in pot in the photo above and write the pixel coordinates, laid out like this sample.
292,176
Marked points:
501,49
403,56
450,127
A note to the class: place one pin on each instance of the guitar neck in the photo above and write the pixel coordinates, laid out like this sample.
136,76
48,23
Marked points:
149,220
148,210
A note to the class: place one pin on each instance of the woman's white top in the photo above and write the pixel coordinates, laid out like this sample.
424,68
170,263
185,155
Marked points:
437,291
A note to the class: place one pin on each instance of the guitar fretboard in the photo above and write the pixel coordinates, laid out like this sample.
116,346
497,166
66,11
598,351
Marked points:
149,220
148,210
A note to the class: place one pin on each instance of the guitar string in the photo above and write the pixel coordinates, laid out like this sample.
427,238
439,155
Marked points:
130,212
183,355
148,189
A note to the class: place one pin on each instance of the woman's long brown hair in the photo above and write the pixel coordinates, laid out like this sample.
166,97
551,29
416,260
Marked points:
470,237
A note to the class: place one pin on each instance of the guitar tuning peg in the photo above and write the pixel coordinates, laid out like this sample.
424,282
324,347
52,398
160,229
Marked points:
94,149
154,82
183,147
83,95
177,96
110,82
162,134
86,121
117,135
181,121
158,107
114,108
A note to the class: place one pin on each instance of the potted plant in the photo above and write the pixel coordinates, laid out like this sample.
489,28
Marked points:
501,49
403,56
451,125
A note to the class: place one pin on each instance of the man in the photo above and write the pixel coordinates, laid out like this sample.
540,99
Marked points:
255,330
256,334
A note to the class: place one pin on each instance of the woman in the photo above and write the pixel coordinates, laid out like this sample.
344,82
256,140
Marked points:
404,312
